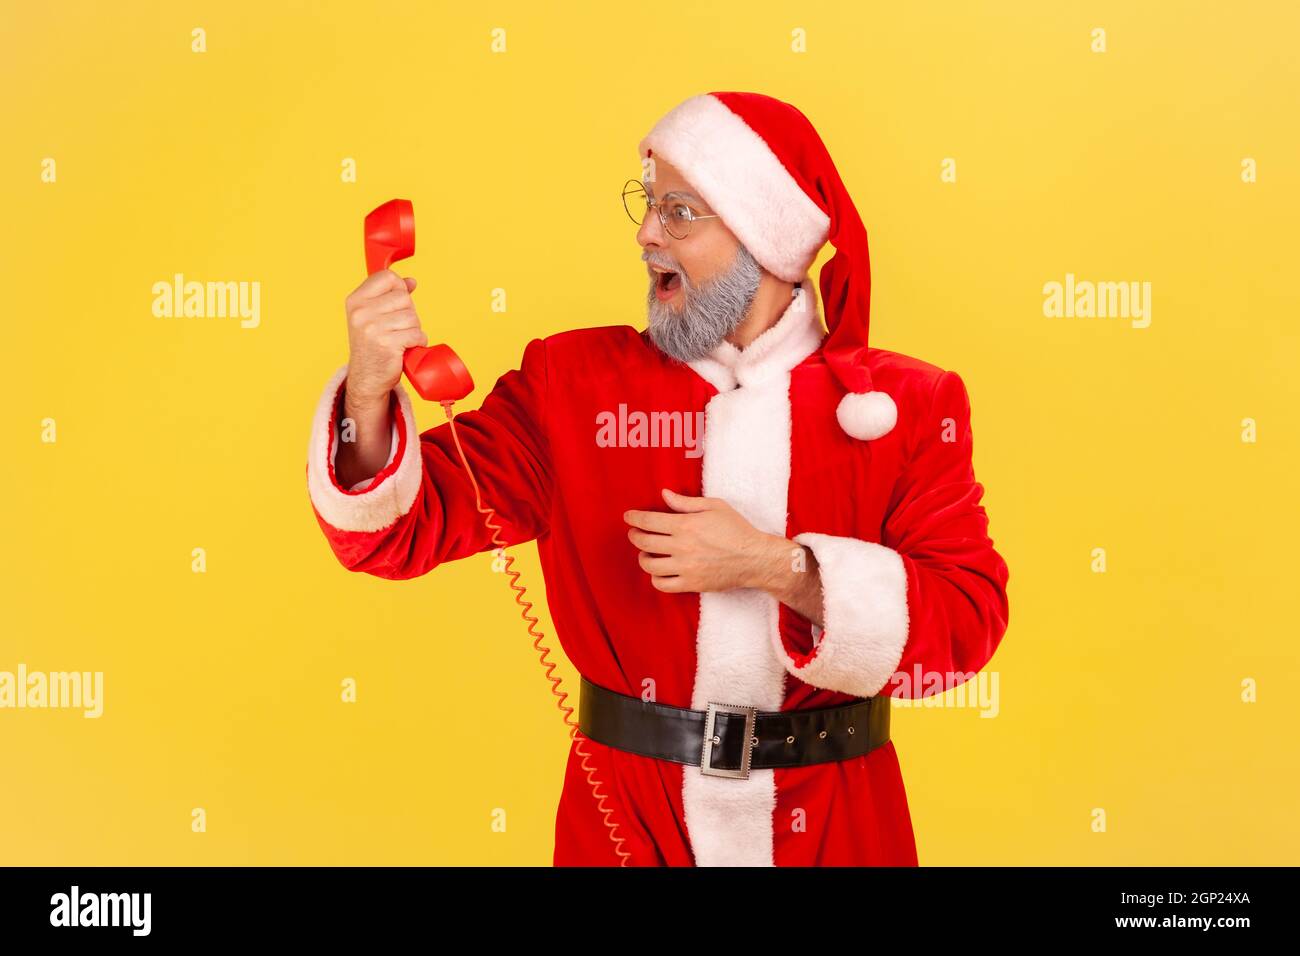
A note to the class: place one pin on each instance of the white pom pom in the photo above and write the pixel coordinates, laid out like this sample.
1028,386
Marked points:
867,415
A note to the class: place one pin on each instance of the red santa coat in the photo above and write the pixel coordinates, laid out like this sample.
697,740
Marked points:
910,577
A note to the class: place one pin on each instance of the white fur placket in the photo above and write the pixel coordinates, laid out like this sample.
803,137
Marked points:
746,461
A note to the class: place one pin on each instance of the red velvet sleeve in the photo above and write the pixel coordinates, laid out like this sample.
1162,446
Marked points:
419,510
956,580
931,595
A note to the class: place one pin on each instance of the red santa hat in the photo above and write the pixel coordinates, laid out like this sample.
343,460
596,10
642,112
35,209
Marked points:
762,167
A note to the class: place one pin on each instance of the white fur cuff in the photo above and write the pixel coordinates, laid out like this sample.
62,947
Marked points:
365,506
864,607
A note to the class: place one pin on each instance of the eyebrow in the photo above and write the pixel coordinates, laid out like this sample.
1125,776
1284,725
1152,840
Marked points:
682,193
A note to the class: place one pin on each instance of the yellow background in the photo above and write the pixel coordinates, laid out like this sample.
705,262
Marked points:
1119,691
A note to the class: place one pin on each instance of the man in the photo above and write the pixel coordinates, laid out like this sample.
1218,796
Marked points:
737,608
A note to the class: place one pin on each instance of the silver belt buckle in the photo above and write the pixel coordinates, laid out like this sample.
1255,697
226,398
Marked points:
706,755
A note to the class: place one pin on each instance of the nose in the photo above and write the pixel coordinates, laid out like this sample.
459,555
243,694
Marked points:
651,231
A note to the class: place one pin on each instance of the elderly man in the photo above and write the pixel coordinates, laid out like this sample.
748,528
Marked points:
739,614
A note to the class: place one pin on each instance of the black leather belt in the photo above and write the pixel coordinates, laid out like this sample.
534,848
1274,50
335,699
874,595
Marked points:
714,739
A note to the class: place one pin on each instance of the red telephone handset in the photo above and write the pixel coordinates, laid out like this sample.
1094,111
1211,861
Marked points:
436,372
439,375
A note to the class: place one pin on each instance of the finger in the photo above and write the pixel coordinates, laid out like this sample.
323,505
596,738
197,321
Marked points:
669,584
658,521
385,280
410,284
654,543
656,565
394,301
407,338
397,321
686,503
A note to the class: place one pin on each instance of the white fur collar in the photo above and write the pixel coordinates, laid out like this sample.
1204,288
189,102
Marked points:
793,337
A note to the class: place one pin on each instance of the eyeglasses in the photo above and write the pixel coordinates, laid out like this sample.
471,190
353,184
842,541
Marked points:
675,215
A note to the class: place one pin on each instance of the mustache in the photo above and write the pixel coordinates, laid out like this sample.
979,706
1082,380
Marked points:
665,263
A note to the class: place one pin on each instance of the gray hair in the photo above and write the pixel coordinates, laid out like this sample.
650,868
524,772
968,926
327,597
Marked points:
709,313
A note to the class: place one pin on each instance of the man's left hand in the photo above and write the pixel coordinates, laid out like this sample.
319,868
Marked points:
703,545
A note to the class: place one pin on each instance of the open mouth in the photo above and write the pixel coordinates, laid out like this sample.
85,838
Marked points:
667,284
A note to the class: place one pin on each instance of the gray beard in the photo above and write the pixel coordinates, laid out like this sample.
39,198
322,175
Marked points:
709,312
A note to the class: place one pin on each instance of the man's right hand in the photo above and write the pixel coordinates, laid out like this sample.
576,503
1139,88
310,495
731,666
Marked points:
382,325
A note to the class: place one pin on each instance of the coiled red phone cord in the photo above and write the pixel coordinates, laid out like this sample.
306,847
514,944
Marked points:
526,608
